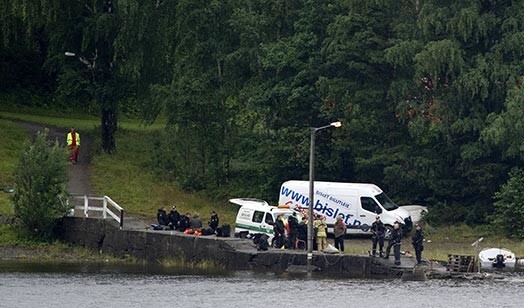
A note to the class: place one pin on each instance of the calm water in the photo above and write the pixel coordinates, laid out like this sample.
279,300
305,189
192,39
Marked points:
60,286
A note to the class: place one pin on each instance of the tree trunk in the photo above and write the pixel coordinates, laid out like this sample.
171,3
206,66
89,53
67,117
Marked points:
109,125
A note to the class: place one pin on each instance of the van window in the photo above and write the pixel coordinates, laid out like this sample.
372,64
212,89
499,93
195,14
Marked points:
269,219
386,202
258,216
369,204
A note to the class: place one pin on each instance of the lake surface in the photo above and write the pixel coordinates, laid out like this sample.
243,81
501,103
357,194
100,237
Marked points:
34,285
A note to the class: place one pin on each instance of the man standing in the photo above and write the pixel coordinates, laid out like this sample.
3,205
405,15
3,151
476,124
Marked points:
279,231
417,240
378,230
293,230
73,145
340,230
321,227
394,241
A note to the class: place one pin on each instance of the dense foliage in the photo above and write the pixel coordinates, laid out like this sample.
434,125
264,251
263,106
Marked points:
41,185
508,207
429,92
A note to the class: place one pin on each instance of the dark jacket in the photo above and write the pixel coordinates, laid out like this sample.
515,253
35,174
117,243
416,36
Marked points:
183,224
213,222
293,224
378,229
417,240
174,218
279,228
161,217
396,235
302,231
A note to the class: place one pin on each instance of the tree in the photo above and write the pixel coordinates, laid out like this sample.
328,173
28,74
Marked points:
509,212
41,185
121,45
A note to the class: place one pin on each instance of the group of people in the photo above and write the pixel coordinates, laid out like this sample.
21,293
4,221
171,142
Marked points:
293,235
395,240
182,222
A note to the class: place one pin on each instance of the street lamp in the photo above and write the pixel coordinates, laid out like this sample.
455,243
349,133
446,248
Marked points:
311,191
90,64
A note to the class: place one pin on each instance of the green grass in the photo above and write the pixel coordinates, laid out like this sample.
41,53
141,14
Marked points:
12,138
125,176
79,121
445,240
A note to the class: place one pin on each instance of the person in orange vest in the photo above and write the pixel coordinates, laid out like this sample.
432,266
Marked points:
73,144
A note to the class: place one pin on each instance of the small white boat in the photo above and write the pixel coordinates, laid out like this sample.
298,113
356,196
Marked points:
496,258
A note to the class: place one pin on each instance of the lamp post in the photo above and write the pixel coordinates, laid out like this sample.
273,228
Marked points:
314,130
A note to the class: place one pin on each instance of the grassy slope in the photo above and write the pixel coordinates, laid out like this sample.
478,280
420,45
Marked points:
125,176
11,140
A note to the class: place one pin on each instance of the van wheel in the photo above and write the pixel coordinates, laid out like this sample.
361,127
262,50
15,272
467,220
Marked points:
387,234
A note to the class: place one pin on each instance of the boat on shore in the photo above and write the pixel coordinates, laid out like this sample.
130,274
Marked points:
497,258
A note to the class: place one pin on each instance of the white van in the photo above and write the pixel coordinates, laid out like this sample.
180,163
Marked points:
357,203
257,216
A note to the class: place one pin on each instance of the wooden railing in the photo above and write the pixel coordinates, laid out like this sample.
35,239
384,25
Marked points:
107,207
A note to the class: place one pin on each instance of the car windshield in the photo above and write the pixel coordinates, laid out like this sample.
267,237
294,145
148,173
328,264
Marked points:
386,202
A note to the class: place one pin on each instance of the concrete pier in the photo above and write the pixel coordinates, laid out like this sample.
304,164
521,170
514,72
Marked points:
228,253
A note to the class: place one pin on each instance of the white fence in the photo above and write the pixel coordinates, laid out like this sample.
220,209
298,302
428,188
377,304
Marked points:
99,204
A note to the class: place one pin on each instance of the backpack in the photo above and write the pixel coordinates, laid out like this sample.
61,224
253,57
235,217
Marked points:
224,231
260,240
208,231
156,227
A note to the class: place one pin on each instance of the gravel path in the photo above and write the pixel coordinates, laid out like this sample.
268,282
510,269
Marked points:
79,182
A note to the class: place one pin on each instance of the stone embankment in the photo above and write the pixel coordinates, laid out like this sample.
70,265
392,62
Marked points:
227,253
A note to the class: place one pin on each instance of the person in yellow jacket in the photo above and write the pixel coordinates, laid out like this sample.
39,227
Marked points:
73,145
321,226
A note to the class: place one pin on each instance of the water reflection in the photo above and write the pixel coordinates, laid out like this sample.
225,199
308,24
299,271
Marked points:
106,285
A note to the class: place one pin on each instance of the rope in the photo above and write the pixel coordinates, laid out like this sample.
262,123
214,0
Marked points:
331,264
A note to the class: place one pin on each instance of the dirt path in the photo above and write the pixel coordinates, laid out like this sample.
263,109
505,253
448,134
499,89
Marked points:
79,180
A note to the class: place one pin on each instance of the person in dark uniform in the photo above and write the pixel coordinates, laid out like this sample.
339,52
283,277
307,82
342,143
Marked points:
279,231
174,218
394,241
161,217
213,221
183,224
302,234
379,231
417,241
293,230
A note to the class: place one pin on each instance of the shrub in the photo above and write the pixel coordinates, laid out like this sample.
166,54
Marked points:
41,185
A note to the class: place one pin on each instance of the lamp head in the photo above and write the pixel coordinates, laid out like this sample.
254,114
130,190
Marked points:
336,124
69,54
